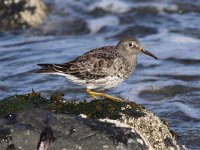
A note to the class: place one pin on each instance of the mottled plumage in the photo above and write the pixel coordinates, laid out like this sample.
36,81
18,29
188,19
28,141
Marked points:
100,68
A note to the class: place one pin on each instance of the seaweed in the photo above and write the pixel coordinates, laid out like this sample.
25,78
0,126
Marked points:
101,108
19,102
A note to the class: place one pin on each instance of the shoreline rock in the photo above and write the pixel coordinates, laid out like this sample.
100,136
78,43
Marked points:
18,14
99,124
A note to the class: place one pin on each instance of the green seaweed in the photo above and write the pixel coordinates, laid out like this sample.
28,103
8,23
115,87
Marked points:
19,102
101,108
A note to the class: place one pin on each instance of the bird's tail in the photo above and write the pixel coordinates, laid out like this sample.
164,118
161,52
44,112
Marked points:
46,68
51,68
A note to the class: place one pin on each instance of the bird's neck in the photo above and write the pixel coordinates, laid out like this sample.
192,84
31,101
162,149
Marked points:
131,60
129,55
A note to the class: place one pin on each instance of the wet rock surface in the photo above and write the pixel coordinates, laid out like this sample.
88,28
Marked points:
99,124
72,132
17,14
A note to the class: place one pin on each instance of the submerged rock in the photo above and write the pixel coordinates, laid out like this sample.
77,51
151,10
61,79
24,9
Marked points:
99,124
16,14
137,30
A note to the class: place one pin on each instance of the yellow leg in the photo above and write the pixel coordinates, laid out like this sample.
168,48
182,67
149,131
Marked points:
94,94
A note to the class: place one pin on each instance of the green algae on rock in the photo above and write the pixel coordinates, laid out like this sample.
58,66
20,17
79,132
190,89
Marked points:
19,102
96,108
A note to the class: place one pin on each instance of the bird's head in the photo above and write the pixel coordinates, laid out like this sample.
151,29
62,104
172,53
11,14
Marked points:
134,46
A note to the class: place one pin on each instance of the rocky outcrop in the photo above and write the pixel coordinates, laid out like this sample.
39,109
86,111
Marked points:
16,14
100,124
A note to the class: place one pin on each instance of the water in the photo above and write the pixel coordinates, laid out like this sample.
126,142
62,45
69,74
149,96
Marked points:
170,87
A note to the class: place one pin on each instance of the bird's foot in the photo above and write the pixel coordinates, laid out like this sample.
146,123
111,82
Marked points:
94,94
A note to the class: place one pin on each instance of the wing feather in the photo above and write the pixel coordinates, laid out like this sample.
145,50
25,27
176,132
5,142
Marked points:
95,64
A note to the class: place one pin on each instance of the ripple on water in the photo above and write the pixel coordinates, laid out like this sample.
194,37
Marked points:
166,92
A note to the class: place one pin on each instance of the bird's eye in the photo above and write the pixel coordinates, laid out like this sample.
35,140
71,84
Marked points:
130,44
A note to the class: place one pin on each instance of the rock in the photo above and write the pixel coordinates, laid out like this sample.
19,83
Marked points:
88,133
99,124
46,138
16,14
65,26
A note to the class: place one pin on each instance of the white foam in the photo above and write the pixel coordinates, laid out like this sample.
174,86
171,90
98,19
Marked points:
187,110
98,23
114,6
181,39
131,91
161,7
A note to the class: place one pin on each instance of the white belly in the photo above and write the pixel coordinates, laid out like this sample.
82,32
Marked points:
104,83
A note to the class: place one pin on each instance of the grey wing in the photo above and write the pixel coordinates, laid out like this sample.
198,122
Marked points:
92,66
96,64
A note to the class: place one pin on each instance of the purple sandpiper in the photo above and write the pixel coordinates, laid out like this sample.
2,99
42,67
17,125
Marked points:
101,68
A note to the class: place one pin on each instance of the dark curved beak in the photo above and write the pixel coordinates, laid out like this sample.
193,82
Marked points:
148,53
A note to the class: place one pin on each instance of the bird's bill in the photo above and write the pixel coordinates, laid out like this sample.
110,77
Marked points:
148,53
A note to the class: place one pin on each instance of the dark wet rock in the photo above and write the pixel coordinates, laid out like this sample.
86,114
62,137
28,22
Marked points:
181,77
98,12
6,139
89,133
65,18
99,124
187,6
17,14
11,147
146,10
65,26
193,32
46,138
185,61
136,30
5,135
10,119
